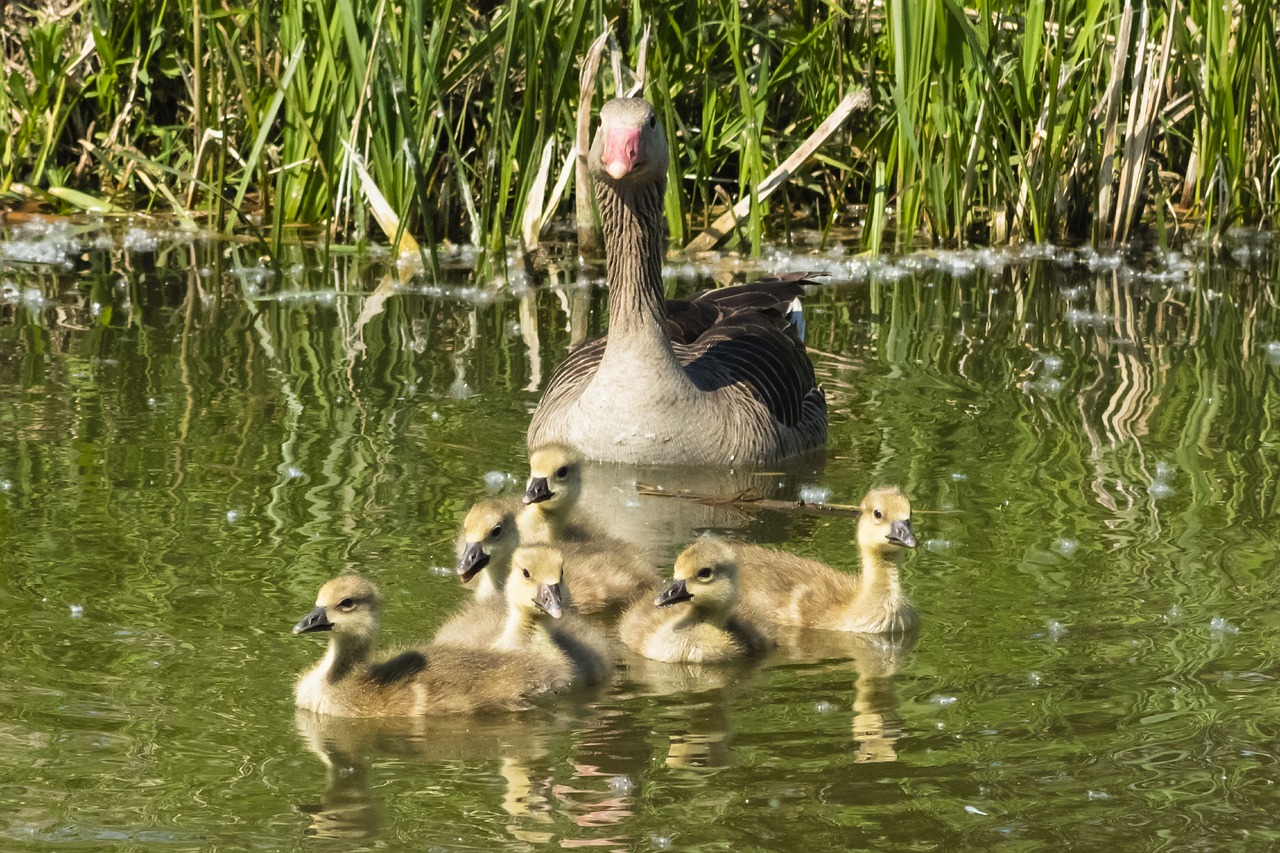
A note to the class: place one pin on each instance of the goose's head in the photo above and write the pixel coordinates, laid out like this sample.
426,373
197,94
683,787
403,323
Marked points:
488,536
555,478
706,576
534,585
884,520
348,606
630,146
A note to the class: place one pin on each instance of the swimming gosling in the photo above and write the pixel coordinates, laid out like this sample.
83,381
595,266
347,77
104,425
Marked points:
350,681
697,619
604,572
791,590
487,539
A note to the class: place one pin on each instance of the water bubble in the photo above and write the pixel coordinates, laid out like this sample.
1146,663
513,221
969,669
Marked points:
976,810
812,494
77,611
958,477
435,416
232,515
1054,630
293,473
1034,678
6,485
1174,615
1052,364
938,546
496,481
943,701
442,571
662,842
1066,547
825,707
1220,626
1159,491
621,784
1098,795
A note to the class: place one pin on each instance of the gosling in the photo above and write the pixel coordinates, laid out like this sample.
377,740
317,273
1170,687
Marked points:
605,573
791,590
535,599
351,682
486,541
698,618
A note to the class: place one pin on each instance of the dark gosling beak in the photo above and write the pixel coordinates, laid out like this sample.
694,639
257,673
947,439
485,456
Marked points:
549,600
674,594
473,559
539,490
900,534
316,620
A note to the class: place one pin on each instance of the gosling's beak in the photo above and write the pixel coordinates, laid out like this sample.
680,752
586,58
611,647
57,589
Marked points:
539,490
316,620
900,534
549,600
473,559
674,594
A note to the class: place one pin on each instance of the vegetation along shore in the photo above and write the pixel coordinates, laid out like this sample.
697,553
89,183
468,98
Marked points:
987,123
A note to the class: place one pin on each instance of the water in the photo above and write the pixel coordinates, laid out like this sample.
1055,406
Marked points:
191,443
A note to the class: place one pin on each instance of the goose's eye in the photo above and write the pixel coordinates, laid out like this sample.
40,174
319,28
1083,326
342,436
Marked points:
878,514
704,574
653,121
562,472
496,531
526,574
346,604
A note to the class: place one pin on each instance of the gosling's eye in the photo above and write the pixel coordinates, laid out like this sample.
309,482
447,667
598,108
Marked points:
878,514
704,573
653,121
496,531
562,472
346,604
526,574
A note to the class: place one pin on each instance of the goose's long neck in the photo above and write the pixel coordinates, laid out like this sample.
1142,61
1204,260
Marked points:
635,242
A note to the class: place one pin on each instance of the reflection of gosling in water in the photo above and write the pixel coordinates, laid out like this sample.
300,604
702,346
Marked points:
603,572
790,590
351,682
534,595
697,619
486,541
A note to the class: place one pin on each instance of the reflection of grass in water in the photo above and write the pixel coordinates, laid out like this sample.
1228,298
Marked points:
996,122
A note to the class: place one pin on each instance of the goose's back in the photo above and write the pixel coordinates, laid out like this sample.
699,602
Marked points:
790,590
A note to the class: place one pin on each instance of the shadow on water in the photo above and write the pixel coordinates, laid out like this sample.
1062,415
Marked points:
192,442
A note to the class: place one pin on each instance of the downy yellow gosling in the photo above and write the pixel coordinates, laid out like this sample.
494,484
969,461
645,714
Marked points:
486,542
350,681
537,622
605,573
698,618
791,590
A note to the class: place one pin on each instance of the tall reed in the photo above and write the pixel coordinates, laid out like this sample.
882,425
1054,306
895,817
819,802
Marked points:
993,122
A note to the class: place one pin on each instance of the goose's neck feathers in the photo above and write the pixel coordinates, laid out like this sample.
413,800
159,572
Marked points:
635,238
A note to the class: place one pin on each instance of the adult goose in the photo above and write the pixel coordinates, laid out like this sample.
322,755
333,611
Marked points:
720,379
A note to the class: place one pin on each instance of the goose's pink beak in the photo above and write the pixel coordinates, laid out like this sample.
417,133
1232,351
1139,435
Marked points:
621,151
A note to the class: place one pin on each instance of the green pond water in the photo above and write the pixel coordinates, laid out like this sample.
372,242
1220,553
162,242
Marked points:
190,444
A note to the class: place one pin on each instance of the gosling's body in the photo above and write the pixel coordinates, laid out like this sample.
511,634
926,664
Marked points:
602,573
350,681
791,590
698,618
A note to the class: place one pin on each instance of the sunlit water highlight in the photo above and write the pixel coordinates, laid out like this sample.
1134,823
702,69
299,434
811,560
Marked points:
193,441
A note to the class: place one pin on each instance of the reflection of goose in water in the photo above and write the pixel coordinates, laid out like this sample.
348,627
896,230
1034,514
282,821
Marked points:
348,747
875,658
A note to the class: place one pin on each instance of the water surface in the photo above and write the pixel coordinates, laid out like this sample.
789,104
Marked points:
190,443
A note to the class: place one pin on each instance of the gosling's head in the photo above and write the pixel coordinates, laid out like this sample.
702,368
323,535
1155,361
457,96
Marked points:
534,585
884,520
488,535
706,576
348,606
630,147
555,478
